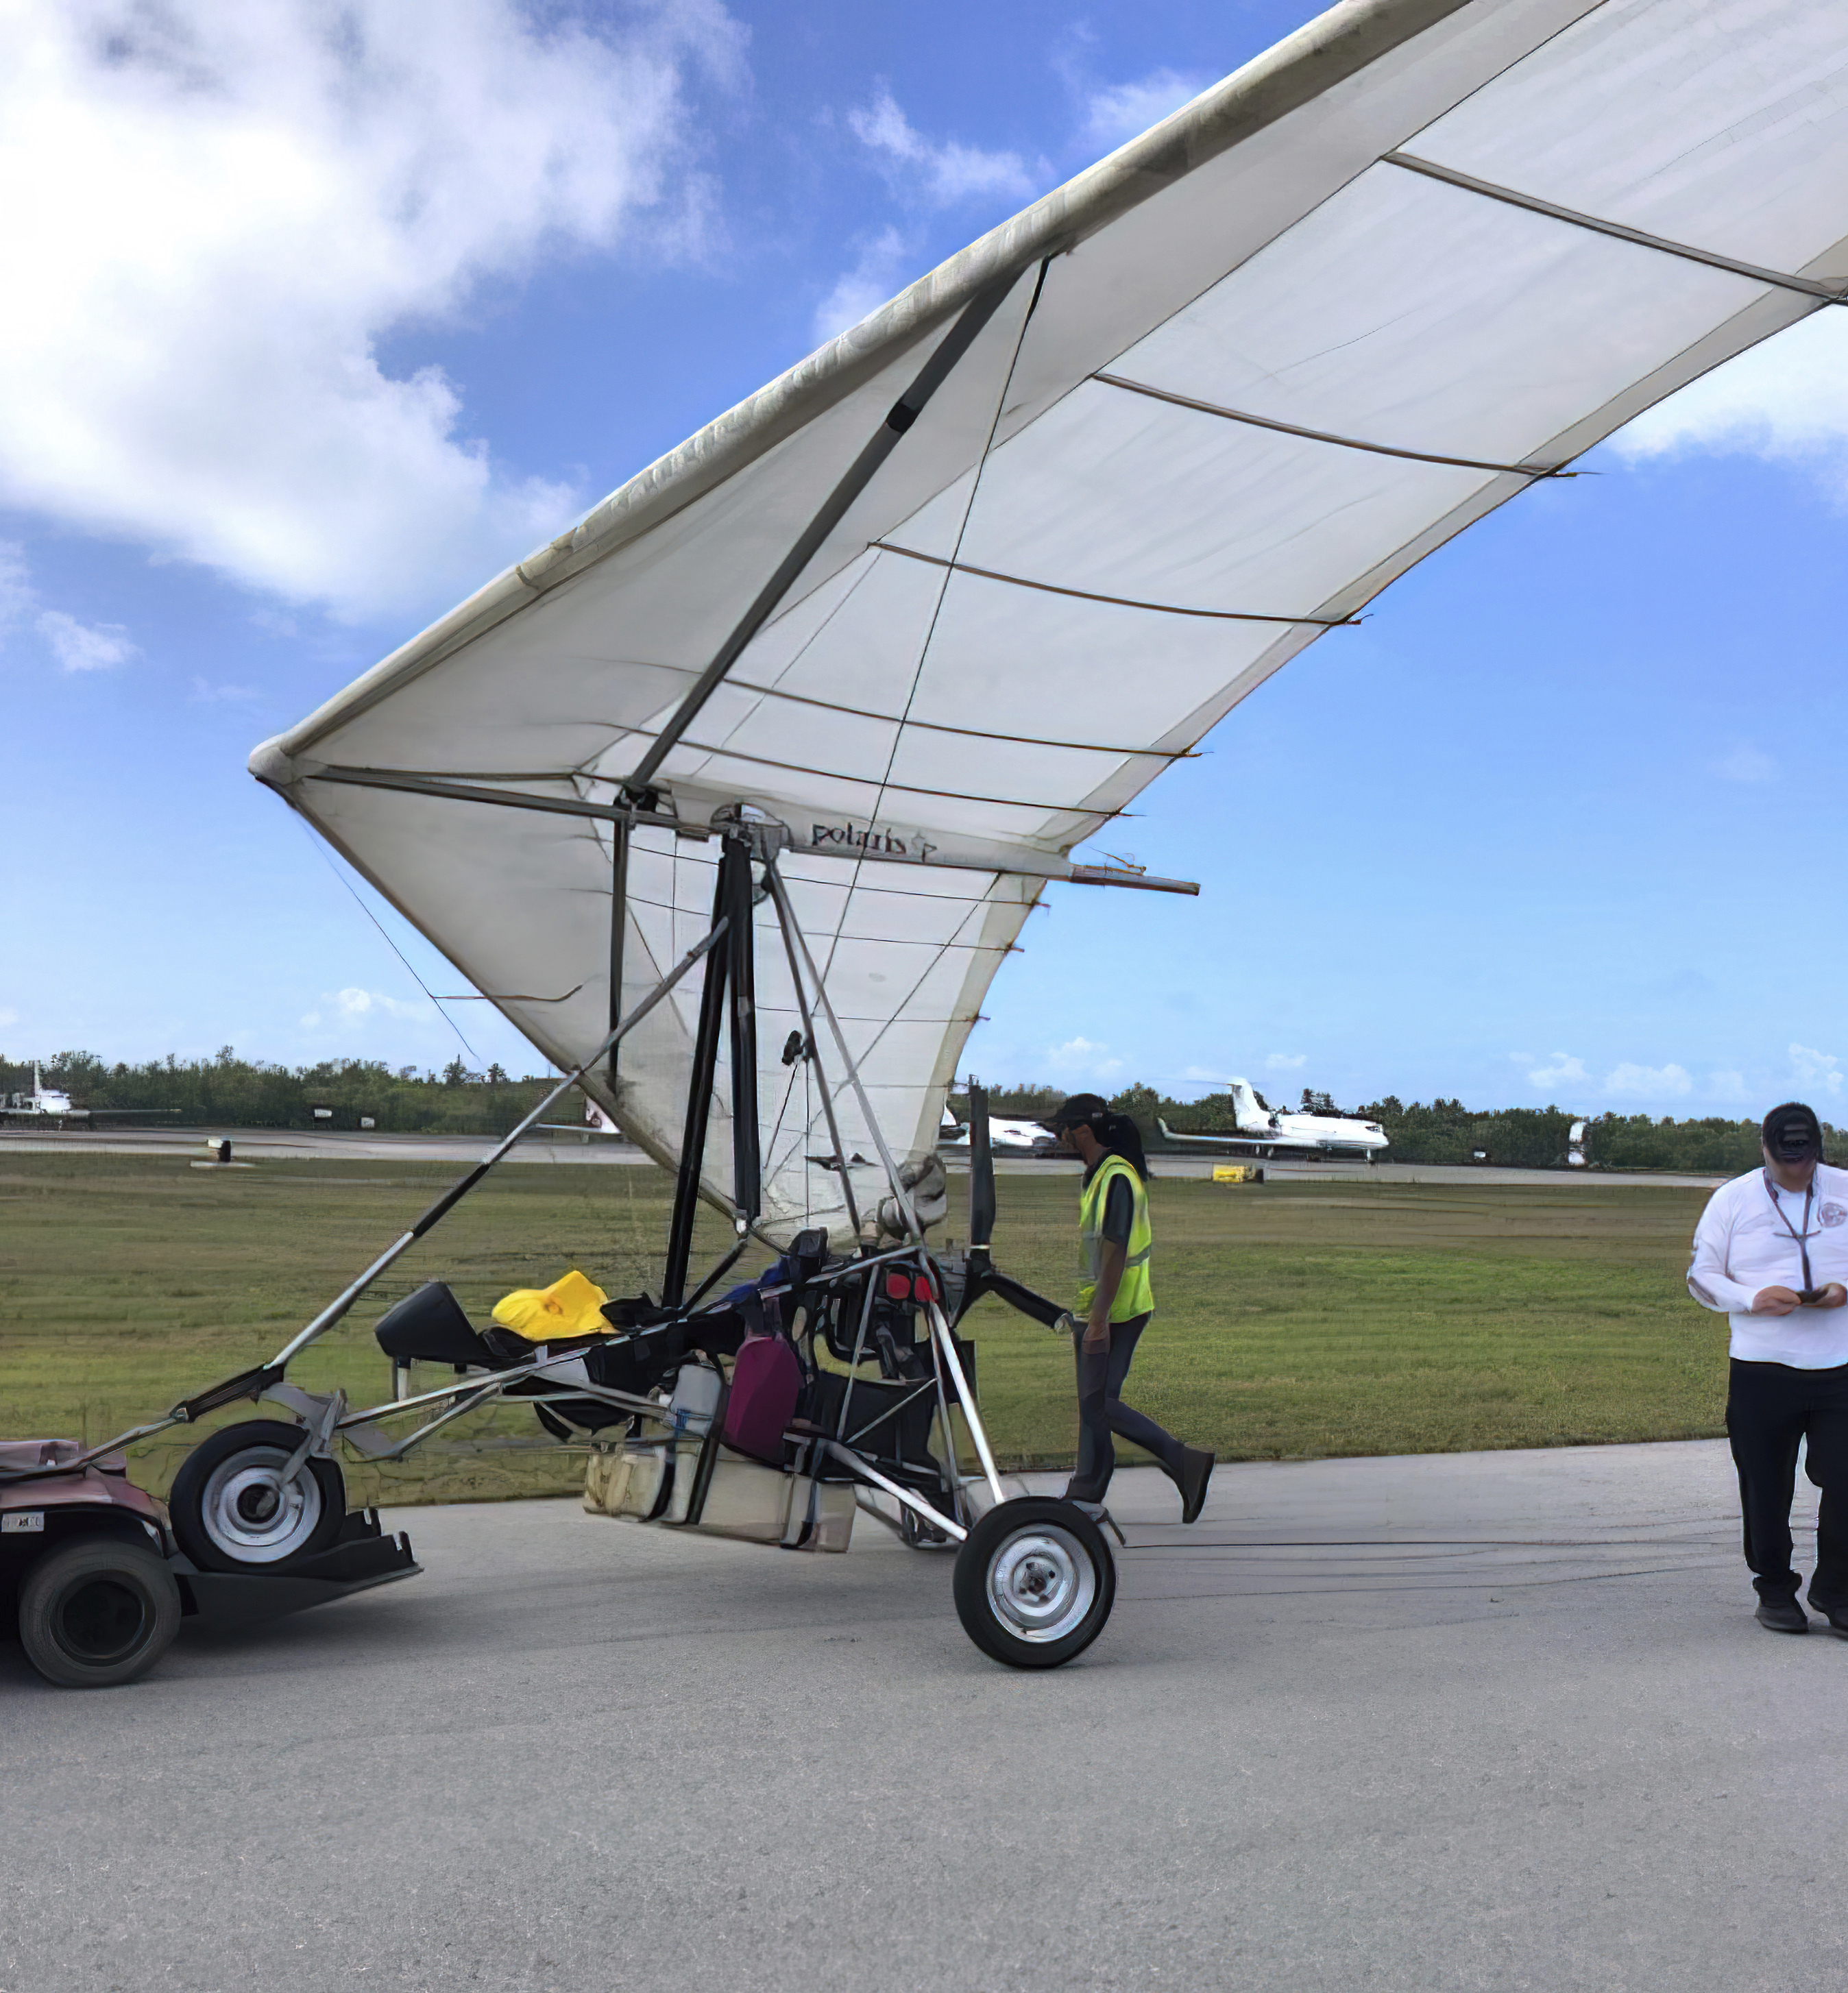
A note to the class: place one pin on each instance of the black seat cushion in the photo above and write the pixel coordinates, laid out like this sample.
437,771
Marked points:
430,1327
636,1363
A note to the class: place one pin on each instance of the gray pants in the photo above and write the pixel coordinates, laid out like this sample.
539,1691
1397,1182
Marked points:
1101,1411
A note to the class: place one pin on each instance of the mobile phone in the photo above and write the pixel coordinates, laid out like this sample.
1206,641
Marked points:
1810,1295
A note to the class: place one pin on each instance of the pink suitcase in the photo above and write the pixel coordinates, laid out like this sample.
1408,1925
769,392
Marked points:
765,1383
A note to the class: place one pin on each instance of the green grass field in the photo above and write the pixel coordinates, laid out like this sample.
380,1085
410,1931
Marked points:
1294,1319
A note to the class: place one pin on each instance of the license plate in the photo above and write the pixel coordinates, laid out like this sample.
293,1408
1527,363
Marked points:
22,1522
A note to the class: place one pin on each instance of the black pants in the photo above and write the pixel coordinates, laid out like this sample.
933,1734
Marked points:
1101,1411
1769,1408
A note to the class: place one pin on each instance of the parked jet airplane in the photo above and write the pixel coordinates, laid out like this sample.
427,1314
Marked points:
1005,1138
1267,1131
47,1103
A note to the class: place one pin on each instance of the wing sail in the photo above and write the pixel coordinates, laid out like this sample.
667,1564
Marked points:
1226,387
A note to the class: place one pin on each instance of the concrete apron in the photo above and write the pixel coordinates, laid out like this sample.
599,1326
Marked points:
1484,1720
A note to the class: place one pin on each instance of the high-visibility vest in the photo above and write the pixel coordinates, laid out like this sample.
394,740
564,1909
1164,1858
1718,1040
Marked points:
1134,1295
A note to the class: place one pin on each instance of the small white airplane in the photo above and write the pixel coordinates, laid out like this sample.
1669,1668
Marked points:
1268,1131
47,1103
1005,1138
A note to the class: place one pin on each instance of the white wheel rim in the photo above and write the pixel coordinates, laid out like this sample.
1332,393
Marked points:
1040,1583
240,1512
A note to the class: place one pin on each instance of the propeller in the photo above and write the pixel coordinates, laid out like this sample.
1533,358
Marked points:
981,1171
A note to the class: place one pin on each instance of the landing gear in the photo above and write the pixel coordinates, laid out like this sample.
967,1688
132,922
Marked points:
1035,1582
228,1512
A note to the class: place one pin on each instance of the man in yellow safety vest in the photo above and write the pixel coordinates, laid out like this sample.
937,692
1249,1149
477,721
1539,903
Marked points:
1115,1301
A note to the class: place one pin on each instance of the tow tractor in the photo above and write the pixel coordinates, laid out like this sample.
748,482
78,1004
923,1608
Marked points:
91,1570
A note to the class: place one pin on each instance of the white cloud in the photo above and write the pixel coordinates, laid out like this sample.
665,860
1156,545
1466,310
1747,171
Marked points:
1787,399
81,646
1081,1055
1810,1068
348,1006
1285,1061
359,1002
860,291
78,646
213,213
1746,763
8,1018
1647,1082
1564,1071
1121,111
940,175
1727,1086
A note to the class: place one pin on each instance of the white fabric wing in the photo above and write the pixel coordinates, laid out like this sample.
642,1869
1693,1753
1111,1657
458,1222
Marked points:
1240,376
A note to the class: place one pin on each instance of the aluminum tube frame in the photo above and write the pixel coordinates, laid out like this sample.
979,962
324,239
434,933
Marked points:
741,992
622,836
937,368
940,1329
481,1391
336,1309
952,1467
1015,862
699,1095
920,1508
330,1315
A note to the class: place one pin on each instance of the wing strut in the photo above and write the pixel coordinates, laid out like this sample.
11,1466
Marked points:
727,997
860,472
619,913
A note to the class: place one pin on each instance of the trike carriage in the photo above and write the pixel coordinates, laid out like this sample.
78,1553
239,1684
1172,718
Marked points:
830,1386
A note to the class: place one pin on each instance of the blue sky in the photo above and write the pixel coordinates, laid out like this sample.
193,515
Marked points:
318,341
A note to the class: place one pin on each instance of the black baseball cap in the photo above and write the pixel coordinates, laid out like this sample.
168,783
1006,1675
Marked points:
1792,1133
1080,1107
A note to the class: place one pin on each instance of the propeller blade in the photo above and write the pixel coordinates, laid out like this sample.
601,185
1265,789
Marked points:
981,1171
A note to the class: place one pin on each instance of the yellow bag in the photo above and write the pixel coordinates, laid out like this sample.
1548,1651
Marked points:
571,1306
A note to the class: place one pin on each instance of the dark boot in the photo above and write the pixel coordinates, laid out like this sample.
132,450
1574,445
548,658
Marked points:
1781,1614
1197,1471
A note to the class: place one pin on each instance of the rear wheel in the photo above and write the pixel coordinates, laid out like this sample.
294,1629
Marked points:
97,1613
228,1512
1035,1582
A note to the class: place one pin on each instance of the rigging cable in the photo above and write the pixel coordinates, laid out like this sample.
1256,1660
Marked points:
1001,404
395,949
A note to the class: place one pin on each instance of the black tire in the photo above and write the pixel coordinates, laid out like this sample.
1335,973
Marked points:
218,1504
1035,1582
98,1612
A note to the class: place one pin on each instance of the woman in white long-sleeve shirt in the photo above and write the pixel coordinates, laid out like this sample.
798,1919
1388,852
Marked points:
1771,1252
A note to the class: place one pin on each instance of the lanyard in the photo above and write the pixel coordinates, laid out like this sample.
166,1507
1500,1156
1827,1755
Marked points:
1805,1235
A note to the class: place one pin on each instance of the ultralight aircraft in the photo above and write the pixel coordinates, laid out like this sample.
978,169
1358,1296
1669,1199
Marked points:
734,798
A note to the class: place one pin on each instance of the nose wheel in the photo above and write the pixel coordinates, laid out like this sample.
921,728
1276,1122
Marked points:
1035,1582
231,1511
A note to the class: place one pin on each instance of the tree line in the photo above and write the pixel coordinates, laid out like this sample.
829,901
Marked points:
229,1092
1446,1131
